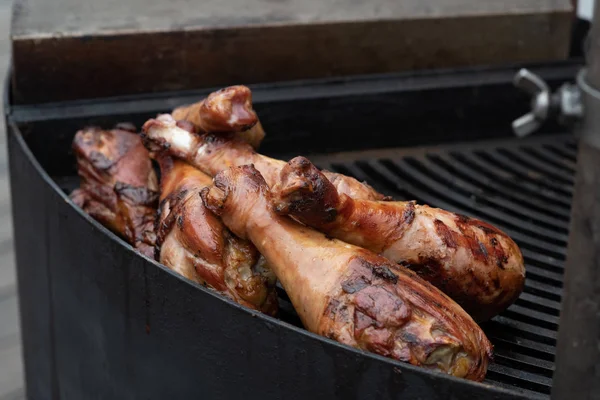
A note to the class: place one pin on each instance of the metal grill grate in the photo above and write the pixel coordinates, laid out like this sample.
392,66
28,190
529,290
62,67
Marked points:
524,188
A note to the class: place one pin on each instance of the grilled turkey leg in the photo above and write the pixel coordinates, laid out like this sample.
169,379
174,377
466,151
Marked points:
118,185
348,293
474,263
226,110
213,153
194,242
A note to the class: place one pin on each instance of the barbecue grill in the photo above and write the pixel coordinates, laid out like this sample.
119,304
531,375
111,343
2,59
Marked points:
101,321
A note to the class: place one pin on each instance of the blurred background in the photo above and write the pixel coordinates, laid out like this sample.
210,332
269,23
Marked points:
11,374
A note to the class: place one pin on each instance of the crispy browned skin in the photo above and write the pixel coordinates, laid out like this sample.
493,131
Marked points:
118,185
213,153
477,265
227,110
194,242
347,293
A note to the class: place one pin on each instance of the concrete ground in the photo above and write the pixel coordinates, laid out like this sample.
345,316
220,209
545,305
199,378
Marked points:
11,372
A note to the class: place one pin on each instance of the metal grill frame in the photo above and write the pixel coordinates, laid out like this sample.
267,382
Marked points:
151,312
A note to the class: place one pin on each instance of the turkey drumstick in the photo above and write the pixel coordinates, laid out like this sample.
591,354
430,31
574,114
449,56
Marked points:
347,293
474,263
194,242
212,153
118,185
226,110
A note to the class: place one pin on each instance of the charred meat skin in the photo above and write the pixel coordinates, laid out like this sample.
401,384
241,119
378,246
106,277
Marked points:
105,157
348,293
474,263
212,153
118,185
227,110
194,242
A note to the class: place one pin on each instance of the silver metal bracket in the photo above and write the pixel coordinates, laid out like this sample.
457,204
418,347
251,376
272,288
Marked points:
565,104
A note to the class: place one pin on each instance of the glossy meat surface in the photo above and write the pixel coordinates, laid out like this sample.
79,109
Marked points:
194,242
227,110
118,185
347,293
213,153
474,263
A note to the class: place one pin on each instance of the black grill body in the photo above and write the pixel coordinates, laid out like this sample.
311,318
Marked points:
101,321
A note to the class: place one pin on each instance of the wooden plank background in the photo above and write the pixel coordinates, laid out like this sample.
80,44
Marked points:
71,49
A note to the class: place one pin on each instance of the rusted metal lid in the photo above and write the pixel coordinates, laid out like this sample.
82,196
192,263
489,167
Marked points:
72,49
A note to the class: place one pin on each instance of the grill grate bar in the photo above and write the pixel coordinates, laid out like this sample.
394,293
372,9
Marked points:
557,163
538,303
470,204
543,290
396,184
533,317
568,148
508,206
522,362
514,183
526,330
493,186
545,184
543,261
525,392
542,275
562,153
357,171
520,378
505,342
572,146
560,176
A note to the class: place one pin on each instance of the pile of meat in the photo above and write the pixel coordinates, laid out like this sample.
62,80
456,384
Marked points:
395,278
